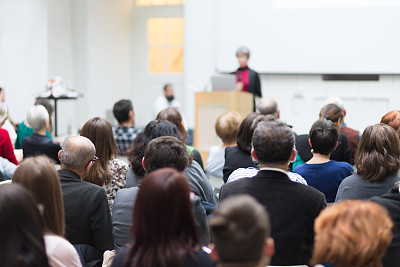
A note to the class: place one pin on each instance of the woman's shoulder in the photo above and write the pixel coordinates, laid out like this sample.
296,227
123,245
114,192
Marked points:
60,252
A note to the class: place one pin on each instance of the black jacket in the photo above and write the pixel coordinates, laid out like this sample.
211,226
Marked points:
292,208
37,144
87,215
341,153
236,158
391,201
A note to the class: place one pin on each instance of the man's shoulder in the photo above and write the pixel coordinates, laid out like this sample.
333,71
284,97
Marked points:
126,193
266,179
67,176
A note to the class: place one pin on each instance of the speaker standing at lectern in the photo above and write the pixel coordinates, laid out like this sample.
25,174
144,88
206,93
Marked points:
247,80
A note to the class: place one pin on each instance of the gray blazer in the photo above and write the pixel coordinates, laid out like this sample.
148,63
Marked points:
122,216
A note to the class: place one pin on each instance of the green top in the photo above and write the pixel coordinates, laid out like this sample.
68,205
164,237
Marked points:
25,131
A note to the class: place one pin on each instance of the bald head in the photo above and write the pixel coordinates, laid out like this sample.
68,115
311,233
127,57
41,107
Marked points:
76,153
268,106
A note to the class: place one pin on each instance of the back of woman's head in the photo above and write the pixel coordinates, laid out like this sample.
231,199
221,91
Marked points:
39,176
378,153
164,194
174,116
152,130
99,131
352,233
331,112
21,234
37,117
246,129
323,137
392,118
227,126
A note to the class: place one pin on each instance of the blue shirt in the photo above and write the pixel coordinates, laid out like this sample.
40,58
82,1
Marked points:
325,177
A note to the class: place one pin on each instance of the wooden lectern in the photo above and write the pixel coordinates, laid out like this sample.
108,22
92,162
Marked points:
210,105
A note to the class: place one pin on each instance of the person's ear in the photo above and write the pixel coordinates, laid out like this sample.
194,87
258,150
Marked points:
90,164
337,144
213,254
253,154
309,142
269,247
59,155
143,159
293,155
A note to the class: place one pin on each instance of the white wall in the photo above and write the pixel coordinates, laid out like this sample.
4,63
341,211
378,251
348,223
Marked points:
300,97
23,52
200,49
98,47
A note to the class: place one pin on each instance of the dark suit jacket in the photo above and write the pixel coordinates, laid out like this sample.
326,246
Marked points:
292,208
87,215
341,153
391,201
37,144
236,158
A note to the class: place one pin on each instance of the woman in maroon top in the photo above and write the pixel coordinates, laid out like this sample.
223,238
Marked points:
247,80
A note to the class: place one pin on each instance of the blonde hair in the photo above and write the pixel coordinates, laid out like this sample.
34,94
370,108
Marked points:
227,126
352,233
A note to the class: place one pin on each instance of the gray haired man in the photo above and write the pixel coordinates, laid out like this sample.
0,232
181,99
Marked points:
87,215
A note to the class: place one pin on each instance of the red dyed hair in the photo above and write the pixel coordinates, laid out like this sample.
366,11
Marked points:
392,118
163,224
352,233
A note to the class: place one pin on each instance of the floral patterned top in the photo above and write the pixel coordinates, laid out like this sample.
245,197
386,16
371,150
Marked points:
118,169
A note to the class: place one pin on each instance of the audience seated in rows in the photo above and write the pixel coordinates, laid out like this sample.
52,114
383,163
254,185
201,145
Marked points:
6,147
320,171
165,151
197,179
353,136
174,116
108,172
25,130
377,164
352,233
38,143
87,215
241,231
239,156
22,242
292,206
227,128
341,153
163,225
124,133
38,175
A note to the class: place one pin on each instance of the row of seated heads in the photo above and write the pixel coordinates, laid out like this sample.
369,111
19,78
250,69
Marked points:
153,130
350,233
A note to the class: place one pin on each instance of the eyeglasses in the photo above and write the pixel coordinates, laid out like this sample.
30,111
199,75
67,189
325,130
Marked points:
94,159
